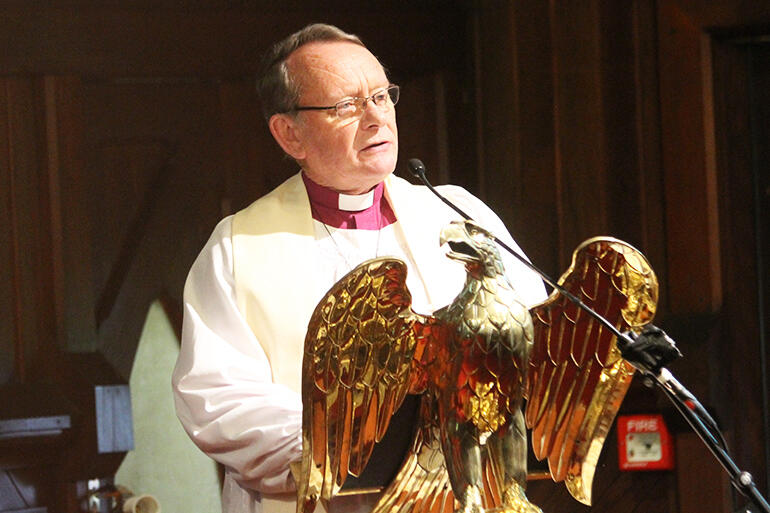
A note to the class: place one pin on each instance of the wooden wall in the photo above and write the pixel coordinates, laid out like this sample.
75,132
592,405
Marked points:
612,118
128,128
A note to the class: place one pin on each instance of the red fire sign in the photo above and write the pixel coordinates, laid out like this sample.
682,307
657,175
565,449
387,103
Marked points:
644,443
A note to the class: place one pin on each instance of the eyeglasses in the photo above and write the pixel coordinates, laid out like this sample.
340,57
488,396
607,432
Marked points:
349,107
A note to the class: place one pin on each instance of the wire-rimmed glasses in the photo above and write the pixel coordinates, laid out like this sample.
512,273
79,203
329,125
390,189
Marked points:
349,107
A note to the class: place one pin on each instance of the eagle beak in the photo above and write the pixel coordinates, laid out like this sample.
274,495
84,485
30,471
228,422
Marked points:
456,237
447,234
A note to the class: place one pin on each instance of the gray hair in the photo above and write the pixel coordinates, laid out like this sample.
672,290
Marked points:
278,90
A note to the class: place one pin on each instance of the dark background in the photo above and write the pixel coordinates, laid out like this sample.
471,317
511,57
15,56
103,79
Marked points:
128,128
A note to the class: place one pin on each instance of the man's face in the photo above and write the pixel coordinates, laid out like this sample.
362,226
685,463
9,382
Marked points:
348,155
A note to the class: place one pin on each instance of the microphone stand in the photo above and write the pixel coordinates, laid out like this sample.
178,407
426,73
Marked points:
649,352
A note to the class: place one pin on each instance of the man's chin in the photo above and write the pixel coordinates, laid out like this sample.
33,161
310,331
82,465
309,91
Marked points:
370,182
380,174
362,178
380,167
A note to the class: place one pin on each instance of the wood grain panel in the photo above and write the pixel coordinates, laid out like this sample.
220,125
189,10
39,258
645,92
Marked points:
707,161
25,216
619,89
579,124
739,108
71,244
497,106
418,124
734,15
252,163
761,132
706,489
120,39
613,491
651,220
534,206
153,162
570,125
690,181
9,266
27,226
516,140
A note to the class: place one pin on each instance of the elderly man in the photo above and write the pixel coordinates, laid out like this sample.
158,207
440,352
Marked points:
252,290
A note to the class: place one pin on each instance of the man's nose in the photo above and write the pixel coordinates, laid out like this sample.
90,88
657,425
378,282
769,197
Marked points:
373,115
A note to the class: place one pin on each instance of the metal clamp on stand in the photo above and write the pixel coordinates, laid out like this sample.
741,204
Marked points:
649,352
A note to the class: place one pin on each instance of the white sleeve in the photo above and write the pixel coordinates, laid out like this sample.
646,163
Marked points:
222,383
526,281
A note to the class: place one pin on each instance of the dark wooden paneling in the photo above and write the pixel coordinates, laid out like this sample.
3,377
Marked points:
704,489
120,39
706,130
761,135
740,15
517,173
152,153
419,119
620,89
30,323
533,204
651,220
9,257
613,491
581,158
689,173
497,104
252,163
24,167
628,96
71,223
122,133
739,107
569,117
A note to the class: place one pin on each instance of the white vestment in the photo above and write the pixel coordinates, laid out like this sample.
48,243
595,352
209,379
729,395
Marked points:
247,302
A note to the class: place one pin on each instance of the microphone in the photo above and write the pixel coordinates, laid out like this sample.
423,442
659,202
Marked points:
417,168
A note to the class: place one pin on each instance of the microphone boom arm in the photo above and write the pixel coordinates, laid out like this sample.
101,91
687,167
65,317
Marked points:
418,170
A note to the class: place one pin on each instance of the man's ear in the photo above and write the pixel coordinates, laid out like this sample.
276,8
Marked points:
287,133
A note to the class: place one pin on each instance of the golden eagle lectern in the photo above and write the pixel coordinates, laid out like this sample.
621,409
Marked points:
474,361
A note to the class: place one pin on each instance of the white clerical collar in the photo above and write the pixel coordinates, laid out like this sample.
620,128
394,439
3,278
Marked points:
369,211
329,198
355,203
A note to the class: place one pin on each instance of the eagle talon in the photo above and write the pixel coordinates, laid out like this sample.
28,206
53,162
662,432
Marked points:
515,501
471,501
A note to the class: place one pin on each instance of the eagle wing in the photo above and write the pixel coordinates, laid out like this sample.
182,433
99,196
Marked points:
577,378
362,353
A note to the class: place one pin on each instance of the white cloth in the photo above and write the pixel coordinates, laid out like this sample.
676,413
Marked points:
225,394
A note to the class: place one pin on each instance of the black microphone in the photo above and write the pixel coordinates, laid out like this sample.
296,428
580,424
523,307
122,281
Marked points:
418,170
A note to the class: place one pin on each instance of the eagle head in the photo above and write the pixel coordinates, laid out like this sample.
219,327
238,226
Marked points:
474,246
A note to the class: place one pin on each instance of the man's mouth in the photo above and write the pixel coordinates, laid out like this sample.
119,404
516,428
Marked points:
375,146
